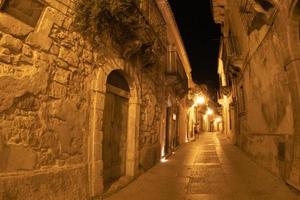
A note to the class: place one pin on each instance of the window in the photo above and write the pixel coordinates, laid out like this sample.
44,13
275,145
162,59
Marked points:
28,11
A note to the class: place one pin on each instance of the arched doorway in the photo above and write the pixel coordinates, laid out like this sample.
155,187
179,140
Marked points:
112,79
115,128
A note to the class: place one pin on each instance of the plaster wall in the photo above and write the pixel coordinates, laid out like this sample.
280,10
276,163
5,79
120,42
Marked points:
267,123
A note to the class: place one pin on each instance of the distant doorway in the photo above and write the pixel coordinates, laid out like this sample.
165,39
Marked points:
115,126
167,136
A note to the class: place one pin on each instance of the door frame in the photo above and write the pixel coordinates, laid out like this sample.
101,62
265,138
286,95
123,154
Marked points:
122,94
98,91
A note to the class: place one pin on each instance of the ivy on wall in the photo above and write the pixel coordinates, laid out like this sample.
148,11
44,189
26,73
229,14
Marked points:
115,23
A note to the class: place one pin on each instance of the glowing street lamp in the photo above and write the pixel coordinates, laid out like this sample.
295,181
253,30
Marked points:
209,111
200,100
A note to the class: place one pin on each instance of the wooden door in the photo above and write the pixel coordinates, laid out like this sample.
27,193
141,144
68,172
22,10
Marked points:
114,135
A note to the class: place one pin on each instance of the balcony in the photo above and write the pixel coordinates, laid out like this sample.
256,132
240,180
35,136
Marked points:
225,90
175,74
256,14
231,56
232,46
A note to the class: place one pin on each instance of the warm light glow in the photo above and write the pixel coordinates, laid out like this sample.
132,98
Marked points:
225,99
162,153
209,111
218,119
174,117
200,100
190,109
163,160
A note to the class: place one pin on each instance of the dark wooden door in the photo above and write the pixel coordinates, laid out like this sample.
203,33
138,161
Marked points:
114,136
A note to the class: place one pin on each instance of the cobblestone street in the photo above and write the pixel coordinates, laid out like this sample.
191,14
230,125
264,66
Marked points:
207,169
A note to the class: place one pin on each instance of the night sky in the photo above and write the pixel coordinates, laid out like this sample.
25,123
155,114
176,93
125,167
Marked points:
201,38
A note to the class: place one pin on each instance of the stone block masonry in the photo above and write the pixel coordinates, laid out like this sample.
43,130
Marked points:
49,143
45,80
44,96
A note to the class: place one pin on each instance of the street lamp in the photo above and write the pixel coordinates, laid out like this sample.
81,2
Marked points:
209,111
200,100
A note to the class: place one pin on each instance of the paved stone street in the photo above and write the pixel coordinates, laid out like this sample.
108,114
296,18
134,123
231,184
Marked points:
208,169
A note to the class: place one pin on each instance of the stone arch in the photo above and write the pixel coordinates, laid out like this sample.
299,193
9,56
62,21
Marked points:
96,118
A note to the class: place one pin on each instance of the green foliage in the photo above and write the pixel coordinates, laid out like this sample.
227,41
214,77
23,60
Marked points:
118,20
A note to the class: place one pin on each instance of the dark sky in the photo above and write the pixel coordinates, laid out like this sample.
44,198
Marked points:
201,38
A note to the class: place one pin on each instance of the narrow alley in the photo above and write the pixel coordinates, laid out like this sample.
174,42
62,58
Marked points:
149,100
207,169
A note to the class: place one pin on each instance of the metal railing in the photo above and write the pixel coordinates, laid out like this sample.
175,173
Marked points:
174,65
246,10
231,46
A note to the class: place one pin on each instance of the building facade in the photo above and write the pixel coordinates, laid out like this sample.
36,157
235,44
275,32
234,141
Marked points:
78,121
259,81
203,113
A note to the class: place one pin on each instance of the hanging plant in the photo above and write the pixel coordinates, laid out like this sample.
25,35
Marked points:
118,20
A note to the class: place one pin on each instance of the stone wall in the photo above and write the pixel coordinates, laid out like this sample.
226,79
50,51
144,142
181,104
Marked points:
47,84
45,76
60,184
152,105
268,100
265,81
266,125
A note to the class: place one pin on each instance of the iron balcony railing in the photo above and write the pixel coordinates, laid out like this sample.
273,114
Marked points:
174,65
232,46
247,14
176,74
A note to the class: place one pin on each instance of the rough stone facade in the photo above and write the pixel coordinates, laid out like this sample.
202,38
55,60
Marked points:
46,75
151,112
52,94
259,88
